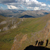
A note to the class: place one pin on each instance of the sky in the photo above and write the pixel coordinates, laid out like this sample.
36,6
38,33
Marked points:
25,4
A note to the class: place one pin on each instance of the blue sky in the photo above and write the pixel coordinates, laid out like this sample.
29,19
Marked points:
42,1
2,6
45,1
25,4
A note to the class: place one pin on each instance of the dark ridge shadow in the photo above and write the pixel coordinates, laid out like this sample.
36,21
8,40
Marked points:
31,47
46,13
27,16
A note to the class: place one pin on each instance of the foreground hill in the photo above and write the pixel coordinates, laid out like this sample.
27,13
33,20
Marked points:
26,33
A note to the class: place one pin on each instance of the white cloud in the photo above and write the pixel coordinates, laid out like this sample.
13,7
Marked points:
30,2
43,5
30,8
12,7
25,4
48,5
36,8
27,0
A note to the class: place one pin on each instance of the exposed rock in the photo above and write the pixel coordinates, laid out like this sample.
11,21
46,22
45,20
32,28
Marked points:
3,22
23,38
19,22
5,28
17,43
0,30
13,27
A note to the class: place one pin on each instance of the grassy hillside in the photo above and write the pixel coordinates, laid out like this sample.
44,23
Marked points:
28,26
2,18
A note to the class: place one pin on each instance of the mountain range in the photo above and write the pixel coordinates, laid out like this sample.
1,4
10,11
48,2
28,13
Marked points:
23,13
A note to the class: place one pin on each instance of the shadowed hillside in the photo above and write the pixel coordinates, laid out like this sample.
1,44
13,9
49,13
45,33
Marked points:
26,16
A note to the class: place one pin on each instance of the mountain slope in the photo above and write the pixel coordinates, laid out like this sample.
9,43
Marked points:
2,18
29,35
34,14
24,33
20,13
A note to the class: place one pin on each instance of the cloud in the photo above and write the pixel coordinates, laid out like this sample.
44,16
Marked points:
36,8
43,5
30,8
6,1
24,4
12,7
48,5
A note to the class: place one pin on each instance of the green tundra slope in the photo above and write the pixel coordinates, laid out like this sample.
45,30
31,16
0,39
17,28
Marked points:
26,27
2,18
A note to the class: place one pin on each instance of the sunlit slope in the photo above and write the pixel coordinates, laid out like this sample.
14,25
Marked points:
27,26
33,24
2,18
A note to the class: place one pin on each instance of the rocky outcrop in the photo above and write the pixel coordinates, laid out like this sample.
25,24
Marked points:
18,42
3,22
14,26
0,30
5,28
10,24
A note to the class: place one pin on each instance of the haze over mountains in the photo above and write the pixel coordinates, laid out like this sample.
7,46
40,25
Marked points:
23,13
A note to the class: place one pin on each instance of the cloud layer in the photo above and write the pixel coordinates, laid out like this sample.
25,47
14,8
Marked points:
25,4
